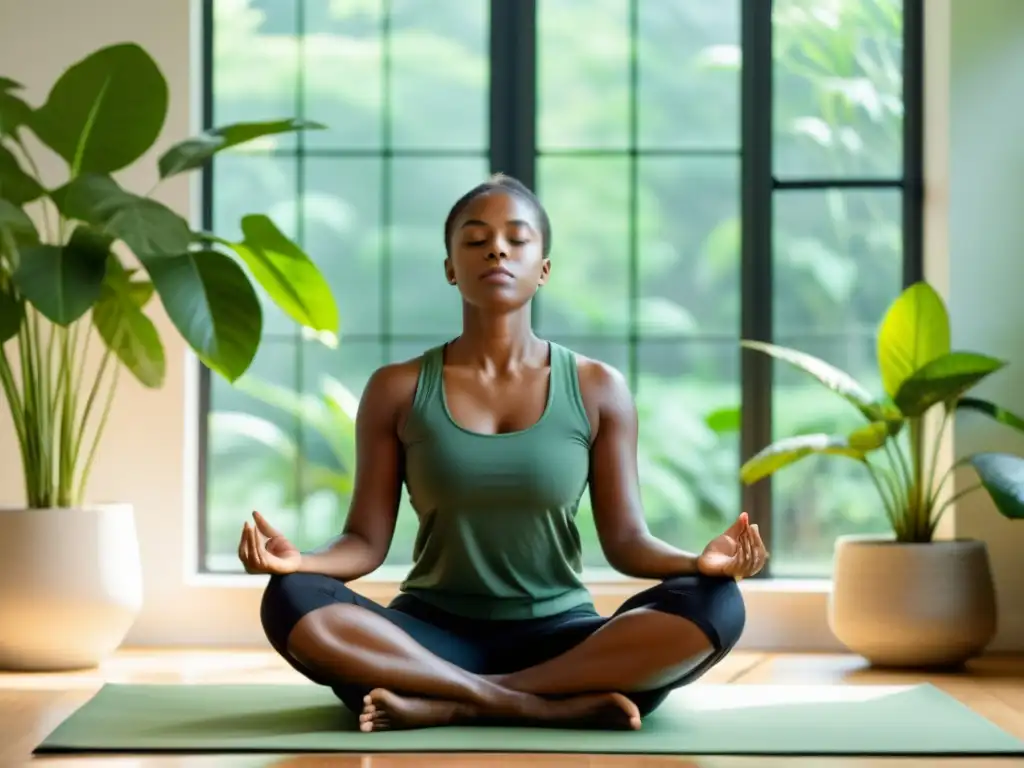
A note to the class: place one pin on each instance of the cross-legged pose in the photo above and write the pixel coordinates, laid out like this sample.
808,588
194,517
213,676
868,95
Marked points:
496,435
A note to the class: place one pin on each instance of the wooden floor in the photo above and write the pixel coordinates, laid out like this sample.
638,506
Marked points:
32,705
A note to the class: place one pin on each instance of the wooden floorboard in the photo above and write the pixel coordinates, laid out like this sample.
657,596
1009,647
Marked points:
32,705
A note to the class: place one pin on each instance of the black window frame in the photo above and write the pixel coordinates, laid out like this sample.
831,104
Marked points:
513,149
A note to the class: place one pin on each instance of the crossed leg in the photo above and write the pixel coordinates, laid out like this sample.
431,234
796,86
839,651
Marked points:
402,671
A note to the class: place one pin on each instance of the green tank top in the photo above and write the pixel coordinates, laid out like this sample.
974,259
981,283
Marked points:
497,533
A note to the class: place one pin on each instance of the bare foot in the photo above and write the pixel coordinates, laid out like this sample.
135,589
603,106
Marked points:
385,710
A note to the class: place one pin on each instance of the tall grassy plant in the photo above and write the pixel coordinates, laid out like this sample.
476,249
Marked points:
921,374
95,255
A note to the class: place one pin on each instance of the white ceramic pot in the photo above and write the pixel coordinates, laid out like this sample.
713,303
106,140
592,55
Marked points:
912,605
70,585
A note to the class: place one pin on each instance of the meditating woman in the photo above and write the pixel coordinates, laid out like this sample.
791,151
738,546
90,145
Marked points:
497,434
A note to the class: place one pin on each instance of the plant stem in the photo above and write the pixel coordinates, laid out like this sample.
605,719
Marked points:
888,504
83,479
948,503
919,506
934,467
895,457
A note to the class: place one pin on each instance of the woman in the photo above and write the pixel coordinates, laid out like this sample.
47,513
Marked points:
496,434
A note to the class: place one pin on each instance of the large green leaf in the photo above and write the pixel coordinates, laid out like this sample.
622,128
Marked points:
869,437
12,312
943,380
287,274
14,112
16,223
192,153
124,327
835,379
914,331
16,185
63,282
211,302
147,227
993,411
105,111
1002,475
789,450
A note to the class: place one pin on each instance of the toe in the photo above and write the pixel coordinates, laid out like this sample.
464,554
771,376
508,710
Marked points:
366,727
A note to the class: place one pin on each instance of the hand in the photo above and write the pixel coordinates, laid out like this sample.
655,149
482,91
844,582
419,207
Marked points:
739,552
264,550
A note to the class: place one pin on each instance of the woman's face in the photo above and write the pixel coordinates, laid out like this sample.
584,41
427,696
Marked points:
497,252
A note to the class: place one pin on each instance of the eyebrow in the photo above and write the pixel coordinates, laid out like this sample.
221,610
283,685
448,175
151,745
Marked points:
479,223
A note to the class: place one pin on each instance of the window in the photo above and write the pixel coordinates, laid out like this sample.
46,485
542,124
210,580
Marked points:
713,171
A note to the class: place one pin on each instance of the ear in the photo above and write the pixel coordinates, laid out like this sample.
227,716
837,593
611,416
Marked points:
449,271
545,271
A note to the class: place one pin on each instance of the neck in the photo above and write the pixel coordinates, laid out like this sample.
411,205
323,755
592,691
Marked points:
496,342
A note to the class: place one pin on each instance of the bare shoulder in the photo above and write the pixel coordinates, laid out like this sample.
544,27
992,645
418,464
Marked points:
605,391
390,391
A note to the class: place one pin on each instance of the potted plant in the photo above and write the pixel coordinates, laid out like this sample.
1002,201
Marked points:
82,265
908,599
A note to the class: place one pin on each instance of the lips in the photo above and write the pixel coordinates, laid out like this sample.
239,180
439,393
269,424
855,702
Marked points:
496,273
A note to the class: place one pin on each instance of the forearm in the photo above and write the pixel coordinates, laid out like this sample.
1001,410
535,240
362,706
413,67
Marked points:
647,557
347,558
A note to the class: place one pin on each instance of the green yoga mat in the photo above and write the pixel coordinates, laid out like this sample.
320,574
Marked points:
698,720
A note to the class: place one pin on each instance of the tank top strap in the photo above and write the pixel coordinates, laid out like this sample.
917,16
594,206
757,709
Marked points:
567,396
429,392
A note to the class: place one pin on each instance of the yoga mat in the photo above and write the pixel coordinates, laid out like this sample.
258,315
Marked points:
697,720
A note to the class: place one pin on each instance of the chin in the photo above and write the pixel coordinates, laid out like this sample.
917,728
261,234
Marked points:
498,301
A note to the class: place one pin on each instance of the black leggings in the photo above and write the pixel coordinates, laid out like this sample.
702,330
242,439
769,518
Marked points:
496,647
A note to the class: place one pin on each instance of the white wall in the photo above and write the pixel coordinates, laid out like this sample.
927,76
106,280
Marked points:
975,163
986,256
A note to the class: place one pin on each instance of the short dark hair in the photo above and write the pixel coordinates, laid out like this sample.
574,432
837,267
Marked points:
499,182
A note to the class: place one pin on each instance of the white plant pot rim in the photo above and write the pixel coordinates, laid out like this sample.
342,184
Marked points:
86,507
889,540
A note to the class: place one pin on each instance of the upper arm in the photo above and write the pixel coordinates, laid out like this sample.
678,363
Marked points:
373,510
614,481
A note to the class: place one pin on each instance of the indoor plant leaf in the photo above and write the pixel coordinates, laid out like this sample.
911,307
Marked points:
211,302
1002,475
125,329
993,411
14,221
292,281
835,379
12,312
914,331
724,420
943,380
789,450
16,186
144,225
869,437
192,153
105,111
14,112
62,282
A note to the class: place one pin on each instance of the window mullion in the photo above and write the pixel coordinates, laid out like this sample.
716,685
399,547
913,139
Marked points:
756,258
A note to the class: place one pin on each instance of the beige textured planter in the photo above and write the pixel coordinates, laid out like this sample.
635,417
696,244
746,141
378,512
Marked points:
912,605
70,585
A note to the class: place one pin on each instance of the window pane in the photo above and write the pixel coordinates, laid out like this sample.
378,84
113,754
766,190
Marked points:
838,88
342,78
423,190
689,252
689,61
838,259
251,183
583,74
689,474
255,64
820,498
439,74
250,453
588,201
341,208
615,354
331,379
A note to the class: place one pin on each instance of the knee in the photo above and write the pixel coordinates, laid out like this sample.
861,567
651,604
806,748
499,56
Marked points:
714,604
287,599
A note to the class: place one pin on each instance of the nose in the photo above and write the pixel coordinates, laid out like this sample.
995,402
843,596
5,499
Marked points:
494,255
